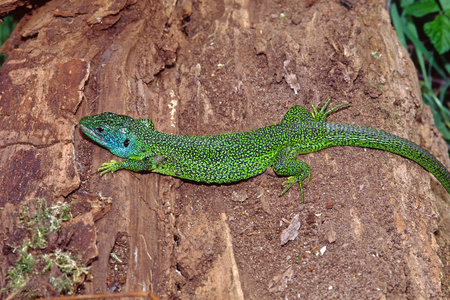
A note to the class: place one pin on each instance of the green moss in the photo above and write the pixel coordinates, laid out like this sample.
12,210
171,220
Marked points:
40,220
20,274
62,284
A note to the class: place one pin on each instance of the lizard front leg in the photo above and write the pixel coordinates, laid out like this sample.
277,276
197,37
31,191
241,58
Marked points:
144,164
286,164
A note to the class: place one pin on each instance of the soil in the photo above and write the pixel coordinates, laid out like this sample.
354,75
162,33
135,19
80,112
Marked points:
373,225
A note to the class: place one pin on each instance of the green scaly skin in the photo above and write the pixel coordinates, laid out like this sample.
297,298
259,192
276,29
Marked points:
231,157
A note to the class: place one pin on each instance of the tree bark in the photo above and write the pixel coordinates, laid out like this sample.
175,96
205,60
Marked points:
207,67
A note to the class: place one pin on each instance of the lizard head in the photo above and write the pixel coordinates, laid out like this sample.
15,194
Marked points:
117,133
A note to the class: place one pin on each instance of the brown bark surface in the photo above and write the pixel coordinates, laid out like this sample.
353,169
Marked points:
207,67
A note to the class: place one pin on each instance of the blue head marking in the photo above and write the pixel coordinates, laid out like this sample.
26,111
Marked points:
114,132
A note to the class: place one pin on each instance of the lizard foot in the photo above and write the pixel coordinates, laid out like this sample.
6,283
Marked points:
291,180
111,166
321,115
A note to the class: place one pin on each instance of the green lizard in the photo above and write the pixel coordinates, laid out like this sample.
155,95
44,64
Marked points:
231,157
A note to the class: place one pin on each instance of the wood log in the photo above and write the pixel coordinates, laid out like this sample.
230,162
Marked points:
369,220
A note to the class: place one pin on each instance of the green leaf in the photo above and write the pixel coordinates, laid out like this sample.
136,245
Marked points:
445,5
404,3
398,25
438,31
422,8
6,28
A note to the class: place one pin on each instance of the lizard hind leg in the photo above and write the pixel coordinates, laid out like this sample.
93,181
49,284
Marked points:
286,164
298,114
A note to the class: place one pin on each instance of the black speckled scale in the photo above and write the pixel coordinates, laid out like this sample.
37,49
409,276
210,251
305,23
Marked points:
231,157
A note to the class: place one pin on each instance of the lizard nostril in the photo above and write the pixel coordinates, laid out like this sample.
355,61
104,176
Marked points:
99,129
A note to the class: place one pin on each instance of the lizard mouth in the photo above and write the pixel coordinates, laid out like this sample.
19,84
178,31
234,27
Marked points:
93,134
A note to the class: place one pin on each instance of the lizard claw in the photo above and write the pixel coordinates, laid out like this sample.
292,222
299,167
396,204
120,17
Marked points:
321,115
291,180
111,166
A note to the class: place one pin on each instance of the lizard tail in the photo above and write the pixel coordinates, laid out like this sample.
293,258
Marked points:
349,135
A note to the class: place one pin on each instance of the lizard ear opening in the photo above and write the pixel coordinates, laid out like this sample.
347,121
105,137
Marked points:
126,143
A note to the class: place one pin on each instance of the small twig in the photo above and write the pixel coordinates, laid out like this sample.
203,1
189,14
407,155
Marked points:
102,296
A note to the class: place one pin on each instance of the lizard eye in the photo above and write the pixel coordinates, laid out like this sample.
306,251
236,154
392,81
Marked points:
126,143
99,129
